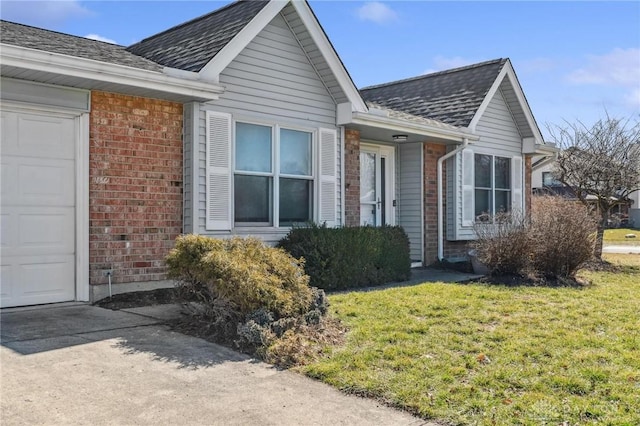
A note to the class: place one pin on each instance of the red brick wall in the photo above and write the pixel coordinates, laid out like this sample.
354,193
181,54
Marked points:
432,152
527,184
135,192
352,177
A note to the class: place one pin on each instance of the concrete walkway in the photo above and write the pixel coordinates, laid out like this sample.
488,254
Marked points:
632,249
80,364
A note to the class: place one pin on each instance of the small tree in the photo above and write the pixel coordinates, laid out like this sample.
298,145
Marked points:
601,164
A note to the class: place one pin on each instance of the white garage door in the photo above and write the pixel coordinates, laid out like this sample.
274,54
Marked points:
38,208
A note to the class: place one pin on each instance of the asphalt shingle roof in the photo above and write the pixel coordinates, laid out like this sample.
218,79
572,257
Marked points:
190,46
65,44
451,96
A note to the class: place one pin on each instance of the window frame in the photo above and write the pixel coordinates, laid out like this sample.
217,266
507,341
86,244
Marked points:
275,175
484,217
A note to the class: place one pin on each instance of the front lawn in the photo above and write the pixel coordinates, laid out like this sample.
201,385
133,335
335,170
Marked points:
495,355
617,236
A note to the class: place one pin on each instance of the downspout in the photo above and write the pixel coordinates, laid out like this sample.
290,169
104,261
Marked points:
465,143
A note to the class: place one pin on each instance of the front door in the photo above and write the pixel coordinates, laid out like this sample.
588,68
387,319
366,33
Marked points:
377,194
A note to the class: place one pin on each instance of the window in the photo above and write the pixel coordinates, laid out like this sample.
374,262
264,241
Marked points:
549,180
273,176
492,182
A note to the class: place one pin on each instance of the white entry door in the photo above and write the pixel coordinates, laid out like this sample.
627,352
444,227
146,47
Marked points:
377,186
37,231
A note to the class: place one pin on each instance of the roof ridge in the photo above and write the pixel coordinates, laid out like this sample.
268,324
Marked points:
192,21
63,34
449,71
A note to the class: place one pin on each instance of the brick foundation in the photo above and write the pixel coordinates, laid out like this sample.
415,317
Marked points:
135,191
352,177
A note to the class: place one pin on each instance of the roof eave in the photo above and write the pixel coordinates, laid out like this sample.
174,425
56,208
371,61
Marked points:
88,69
396,124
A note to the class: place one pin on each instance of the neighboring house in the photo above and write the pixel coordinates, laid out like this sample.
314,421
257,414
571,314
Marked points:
544,183
240,122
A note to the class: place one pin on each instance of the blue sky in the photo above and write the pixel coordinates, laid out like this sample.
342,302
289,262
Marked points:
573,59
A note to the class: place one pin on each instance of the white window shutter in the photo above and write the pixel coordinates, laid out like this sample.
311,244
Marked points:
516,184
218,171
468,187
327,199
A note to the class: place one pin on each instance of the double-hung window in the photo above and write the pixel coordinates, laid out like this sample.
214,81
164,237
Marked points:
492,185
273,175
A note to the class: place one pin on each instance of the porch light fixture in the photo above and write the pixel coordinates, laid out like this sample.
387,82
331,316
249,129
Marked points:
400,138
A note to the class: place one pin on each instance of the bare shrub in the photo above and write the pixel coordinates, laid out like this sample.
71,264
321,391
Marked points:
562,235
502,243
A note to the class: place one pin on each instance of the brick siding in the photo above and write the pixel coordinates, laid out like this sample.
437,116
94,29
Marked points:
135,191
433,151
352,177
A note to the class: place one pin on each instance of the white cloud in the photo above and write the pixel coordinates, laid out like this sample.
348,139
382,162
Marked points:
441,63
377,12
633,98
43,13
100,38
620,67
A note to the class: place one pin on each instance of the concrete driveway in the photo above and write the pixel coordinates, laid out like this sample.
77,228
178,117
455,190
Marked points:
624,249
80,364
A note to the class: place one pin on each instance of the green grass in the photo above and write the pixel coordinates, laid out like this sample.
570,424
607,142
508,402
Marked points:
496,355
616,236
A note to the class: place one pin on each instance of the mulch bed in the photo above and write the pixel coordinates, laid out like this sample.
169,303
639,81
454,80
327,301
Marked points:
138,299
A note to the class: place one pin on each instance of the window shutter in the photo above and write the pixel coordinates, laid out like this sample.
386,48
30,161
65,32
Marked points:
516,184
328,182
468,187
218,171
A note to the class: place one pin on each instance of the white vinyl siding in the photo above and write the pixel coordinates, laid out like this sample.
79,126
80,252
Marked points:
499,136
270,81
409,206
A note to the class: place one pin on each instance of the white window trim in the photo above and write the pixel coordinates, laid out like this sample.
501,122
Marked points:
493,184
275,172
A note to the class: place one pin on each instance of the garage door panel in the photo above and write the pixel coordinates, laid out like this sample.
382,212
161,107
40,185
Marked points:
44,281
46,185
38,231
9,176
40,135
6,284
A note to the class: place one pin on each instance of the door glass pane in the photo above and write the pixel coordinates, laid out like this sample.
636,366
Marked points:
295,152
367,177
383,186
503,201
295,201
252,199
482,167
503,173
253,148
483,203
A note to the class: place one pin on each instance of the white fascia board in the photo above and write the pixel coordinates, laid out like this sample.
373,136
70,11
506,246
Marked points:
395,124
211,71
524,104
328,52
89,69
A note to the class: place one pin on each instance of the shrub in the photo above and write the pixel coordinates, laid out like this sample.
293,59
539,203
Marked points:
243,271
562,235
502,243
556,240
341,258
243,292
